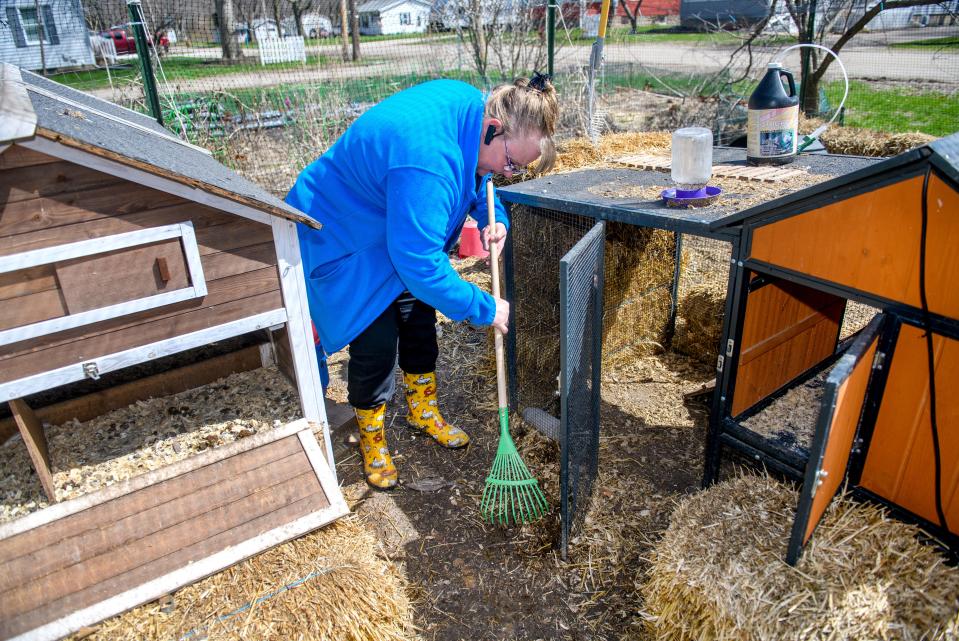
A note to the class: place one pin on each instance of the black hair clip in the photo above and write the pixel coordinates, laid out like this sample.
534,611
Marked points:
538,81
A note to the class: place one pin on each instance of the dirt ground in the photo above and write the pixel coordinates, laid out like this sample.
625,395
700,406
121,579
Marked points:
475,581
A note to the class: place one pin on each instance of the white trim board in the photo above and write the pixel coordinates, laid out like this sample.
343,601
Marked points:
99,163
95,246
299,329
110,362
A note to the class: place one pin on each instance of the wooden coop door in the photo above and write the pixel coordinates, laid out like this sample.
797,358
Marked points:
787,329
842,403
900,462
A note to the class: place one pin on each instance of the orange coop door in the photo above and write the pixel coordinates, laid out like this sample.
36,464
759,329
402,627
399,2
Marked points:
843,398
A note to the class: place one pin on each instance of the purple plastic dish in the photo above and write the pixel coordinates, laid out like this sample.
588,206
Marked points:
683,199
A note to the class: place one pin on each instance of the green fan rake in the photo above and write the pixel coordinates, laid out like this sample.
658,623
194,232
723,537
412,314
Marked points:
512,494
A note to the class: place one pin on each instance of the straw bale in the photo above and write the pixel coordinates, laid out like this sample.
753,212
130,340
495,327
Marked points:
639,266
857,141
699,322
333,584
719,573
578,153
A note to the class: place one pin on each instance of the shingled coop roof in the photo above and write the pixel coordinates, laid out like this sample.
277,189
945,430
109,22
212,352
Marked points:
33,106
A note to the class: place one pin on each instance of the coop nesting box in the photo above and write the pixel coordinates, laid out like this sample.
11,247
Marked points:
119,244
886,236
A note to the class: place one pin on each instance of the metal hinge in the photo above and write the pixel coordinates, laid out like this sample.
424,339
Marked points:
820,475
730,345
90,370
879,360
720,362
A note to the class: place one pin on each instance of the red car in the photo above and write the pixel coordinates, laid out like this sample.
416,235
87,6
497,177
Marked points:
124,42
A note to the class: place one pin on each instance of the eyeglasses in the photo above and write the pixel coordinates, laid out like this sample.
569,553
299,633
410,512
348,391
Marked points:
510,166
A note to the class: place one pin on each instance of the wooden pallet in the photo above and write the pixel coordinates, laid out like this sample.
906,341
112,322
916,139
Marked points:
81,561
742,172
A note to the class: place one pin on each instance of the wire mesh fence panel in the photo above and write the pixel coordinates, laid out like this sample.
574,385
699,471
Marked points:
701,297
539,239
269,85
581,311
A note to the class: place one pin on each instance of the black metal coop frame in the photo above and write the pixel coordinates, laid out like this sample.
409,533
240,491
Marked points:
748,275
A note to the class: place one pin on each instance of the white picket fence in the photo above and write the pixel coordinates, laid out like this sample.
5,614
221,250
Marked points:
288,49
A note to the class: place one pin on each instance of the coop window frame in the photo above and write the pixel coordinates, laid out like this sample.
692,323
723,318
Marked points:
85,248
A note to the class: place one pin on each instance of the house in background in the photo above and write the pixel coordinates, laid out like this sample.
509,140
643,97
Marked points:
382,17
54,37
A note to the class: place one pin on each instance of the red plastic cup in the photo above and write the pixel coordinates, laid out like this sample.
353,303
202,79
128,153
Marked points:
470,243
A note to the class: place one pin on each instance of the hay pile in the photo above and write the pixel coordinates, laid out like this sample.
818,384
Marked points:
638,271
719,573
856,141
580,152
334,584
699,323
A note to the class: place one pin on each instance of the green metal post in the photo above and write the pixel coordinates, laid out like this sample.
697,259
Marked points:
805,55
550,34
135,9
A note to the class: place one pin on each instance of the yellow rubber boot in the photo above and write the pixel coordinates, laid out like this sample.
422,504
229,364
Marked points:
425,412
377,462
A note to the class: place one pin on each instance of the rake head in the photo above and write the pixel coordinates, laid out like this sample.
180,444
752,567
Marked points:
512,494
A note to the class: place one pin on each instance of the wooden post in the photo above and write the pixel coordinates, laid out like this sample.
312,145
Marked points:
32,432
299,329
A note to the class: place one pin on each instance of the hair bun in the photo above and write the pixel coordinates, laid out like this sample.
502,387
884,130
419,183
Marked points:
539,81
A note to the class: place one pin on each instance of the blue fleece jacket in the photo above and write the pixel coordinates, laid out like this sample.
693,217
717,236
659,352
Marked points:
392,194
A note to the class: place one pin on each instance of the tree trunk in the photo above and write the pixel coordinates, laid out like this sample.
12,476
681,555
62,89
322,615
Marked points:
344,31
355,30
298,19
633,15
478,31
229,46
276,18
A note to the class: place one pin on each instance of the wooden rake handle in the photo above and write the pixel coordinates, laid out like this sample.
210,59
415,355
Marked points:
494,268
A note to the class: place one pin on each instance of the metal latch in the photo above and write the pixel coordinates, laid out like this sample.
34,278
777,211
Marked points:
730,344
720,362
90,370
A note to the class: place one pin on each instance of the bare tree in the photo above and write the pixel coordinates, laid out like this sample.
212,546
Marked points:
229,46
300,7
501,35
355,29
818,29
277,17
344,31
632,13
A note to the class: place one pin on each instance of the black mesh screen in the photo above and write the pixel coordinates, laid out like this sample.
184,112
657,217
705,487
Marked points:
581,306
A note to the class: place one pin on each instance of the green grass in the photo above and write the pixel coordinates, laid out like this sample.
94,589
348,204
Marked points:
190,68
897,110
654,33
949,42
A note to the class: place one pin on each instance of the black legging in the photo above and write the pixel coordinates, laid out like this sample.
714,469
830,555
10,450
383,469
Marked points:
407,321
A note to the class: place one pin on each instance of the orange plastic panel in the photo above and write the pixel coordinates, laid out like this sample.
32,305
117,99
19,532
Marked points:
842,431
787,329
900,463
870,242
